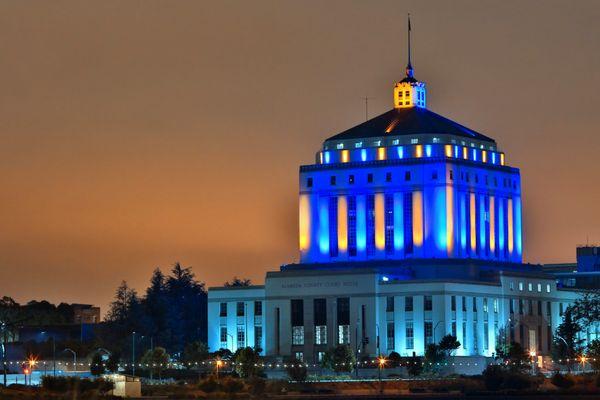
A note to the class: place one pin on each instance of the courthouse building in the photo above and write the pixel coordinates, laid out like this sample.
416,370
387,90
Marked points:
410,228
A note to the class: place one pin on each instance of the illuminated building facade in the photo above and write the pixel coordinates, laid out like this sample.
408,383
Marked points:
410,228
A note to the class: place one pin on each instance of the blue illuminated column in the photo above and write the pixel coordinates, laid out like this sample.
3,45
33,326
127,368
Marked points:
518,234
361,226
439,221
399,224
463,223
323,228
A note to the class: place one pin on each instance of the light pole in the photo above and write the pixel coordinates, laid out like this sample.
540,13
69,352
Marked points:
231,336
74,357
133,353
381,363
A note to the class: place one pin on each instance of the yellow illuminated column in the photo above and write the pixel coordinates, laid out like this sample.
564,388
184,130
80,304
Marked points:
501,158
448,150
379,221
465,153
381,153
492,225
473,222
450,219
345,156
342,217
484,156
418,151
417,219
304,222
510,227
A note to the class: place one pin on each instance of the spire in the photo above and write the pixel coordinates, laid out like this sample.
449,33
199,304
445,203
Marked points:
409,68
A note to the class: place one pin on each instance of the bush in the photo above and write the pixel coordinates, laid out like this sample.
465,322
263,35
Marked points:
493,377
562,381
209,385
598,380
64,384
517,381
296,371
257,386
232,386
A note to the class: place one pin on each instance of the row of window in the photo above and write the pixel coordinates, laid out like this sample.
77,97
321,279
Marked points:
412,151
464,176
227,340
240,309
530,286
428,304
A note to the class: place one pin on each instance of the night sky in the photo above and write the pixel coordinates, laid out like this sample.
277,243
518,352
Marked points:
134,134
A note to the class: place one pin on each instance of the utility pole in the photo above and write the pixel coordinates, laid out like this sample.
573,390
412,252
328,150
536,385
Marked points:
133,353
366,99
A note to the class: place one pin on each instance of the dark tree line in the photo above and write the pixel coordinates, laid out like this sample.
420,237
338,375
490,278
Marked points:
171,314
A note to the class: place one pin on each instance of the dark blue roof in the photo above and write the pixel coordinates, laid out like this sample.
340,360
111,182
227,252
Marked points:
409,121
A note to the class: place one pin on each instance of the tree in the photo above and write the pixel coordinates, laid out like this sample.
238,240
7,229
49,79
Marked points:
112,364
516,358
156,360
246,360
97,365
296,370
195,352
502,344
566,344
237,282
448,345
120,307
586,309
414,365
593,353
394,359
339,359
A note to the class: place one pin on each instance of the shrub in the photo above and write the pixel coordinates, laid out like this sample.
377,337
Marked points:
562,381
64,384
257,386
493,377
232,386
296,371
598,380
209,385
517,381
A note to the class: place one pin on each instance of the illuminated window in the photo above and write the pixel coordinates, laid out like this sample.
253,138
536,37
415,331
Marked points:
495,306
485,305
297,335
428,303
320,334
521,286
408,303
410,341
344,334
241,336
428,328
223,310
547,288
258,336
390,335
530,286
539,287
414,141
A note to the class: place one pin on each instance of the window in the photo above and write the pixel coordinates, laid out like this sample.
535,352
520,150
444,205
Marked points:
539,308
240,308
464,335
474,304
408,303
407,176
486,336
258,337
453,303
223,336
390,335
414,141
309,182
485,305
548,308
297,312
299,356
389,304
344,334
560,309
258,308
464,304
332,180
388,176
539,287
520,306
521,286
495,306
351,179
475,337
547,288
530,307
410,340
320,356
453,328
370,178
428,303
241,336
512,306
223,310
320,334
530,286
297,335
428,328
512,286
451,175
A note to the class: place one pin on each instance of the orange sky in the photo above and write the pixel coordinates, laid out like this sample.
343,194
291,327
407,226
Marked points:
134,134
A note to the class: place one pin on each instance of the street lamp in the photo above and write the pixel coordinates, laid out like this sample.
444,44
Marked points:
133,353
381,364
74,357
532,354
219,364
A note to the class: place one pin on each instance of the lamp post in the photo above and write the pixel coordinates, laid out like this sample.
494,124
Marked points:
74,357
532,354
381,363
219,364
133,353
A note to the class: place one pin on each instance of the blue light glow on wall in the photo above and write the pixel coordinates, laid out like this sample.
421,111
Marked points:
474,153
327,157
363,155
361,224
400,151
398,222
428,150
463,223
501,220
324,226
439,219
518,238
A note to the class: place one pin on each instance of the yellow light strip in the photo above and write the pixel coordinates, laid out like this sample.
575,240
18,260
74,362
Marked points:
449,219
417,219
345,156
379,221
381,153
304,222
484,156
492,225
465,153
448,150
501,158
473,222
418,151
342,215
510,226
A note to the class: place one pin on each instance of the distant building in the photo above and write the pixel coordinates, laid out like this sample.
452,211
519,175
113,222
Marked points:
584,274
85,314
409,229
